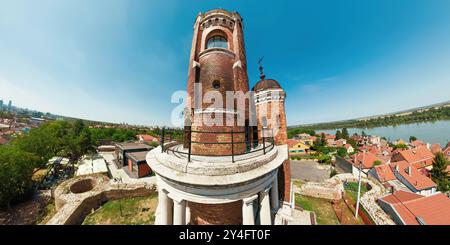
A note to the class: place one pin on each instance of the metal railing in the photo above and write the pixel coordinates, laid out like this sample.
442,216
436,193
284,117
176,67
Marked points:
267,144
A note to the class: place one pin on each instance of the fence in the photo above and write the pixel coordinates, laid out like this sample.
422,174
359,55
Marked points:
267,144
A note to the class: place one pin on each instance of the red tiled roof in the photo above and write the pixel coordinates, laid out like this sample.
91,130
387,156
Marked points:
347,146
146,137
418,143
417,155
415,178
384,173
292,142
435,148
367,159
432,210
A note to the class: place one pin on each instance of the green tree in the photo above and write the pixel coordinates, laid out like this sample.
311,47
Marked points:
377,162
324,159
363,133
412,138
338,134
16,169
342,152
439,173
345,134
400,146
353,143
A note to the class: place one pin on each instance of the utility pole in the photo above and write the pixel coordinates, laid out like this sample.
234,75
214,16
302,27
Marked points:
359,187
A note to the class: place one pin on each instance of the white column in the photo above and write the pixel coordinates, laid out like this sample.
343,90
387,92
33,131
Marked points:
275,202
164,208
264,212
179,212
188,214
248,217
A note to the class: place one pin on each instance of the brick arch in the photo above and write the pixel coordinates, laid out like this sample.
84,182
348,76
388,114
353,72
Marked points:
220,31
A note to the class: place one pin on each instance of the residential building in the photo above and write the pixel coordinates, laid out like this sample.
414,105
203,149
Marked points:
420,157
412,209
297,147
412,178
349,148
145,138
340,142
446,151
435,148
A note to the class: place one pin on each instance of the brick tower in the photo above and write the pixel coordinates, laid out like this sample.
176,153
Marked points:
269,98
222,172
217,65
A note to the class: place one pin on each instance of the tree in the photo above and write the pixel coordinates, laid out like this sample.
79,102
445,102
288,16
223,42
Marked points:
353,143
342,152
16,169
363,133
439,172
377,162
345,134
324,158
412,138
400,146
338,134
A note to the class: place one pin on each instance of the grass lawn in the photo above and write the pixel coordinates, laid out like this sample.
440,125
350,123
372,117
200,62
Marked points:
135,211
351,189
48,212
324,210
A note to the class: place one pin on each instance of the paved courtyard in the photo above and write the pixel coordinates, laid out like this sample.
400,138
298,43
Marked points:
120,173
309,170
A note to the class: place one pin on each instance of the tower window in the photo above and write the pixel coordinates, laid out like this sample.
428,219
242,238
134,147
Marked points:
216,84
217,42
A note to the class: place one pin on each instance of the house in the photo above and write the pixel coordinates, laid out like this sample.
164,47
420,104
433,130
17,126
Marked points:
297,147
383,173
365,160
419,157
435,148
412,209
331,142
137,165
446,151
349,148
341,142
330,136
123,148
145,138
417,143
302,136
412,178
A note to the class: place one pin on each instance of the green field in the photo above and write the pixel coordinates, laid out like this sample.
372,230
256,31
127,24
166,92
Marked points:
322,208
351,189
131,211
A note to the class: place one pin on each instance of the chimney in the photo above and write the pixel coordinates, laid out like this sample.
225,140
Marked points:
409,170
396,168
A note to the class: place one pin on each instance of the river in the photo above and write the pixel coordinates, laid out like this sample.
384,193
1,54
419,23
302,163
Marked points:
431,132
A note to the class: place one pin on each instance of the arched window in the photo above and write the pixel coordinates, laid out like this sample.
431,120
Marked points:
217,42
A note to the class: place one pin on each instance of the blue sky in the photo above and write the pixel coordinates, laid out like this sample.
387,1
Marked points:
120,61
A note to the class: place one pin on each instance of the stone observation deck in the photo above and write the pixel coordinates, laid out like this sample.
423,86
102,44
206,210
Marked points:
173,163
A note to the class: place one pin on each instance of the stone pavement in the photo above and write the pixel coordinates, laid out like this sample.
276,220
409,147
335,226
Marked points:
120,173
309,170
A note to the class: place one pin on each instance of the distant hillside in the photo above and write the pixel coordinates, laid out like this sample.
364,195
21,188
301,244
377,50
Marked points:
440,111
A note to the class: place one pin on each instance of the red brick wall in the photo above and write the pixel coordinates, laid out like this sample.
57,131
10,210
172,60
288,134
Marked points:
144,170
216,214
